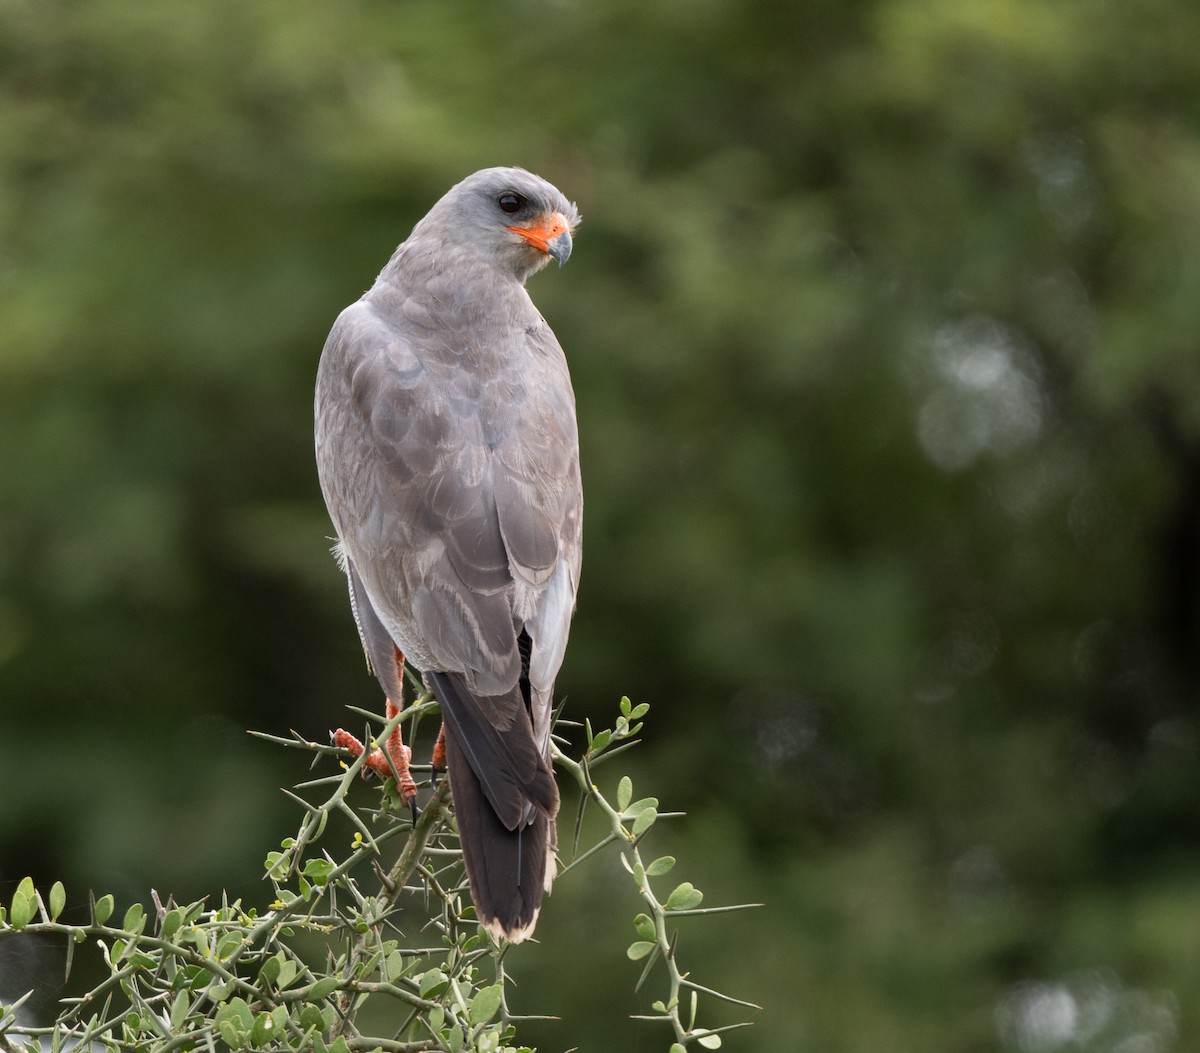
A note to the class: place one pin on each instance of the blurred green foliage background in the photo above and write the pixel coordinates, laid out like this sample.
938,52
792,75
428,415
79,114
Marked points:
884,326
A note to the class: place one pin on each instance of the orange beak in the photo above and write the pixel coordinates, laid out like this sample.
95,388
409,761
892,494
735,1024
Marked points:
549,234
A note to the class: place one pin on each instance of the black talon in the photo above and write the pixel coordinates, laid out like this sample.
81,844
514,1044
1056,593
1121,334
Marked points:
412,807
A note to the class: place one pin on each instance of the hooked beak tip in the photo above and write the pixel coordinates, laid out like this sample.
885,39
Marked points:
560,247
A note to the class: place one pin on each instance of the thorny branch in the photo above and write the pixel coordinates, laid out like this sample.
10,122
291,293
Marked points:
298,974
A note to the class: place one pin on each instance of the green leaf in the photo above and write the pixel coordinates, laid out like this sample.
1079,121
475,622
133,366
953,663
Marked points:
660,866
601,741
432,982
318,870
171,922
639,711
393,966
624,793
197,937
24,905
485,1004
269,972
234,1022
267,1029
104,908
709,1041
644,821
367,966
26,887
193,978
638,872
637,951
287,972
230,1035
58,900
644,926
677,1048
685,896
179,1010
323,987
133,917
228,945
626,705
276,865
311,1018
240,1011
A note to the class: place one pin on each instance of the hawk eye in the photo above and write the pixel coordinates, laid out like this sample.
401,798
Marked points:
510,202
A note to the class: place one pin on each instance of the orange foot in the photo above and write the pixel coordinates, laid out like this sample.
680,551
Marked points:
394,761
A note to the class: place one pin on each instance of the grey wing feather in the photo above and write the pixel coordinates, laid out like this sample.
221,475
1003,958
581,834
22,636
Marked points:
540,507
377,643
408,483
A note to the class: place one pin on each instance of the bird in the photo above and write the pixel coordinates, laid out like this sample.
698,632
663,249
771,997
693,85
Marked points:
447,449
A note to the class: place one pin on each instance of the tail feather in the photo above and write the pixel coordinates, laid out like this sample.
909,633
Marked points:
508,870
496,735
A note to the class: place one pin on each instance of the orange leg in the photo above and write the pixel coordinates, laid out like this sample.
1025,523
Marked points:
398,755
439,750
